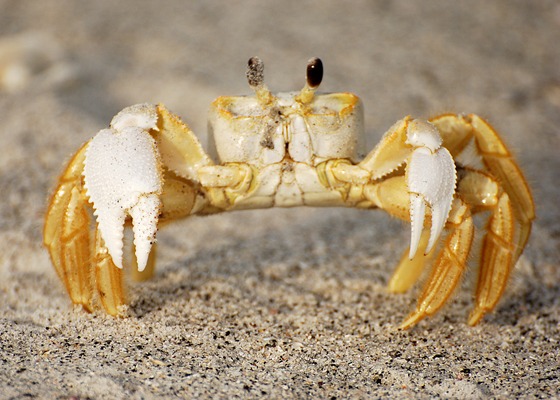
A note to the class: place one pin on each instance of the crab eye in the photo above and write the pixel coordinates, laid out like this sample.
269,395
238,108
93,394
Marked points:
255,72
314,72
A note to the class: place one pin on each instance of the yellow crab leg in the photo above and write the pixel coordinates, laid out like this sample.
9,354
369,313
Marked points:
109,279
447,270
180,150
457,130
66,233
409,270
390,153
501,164
496,261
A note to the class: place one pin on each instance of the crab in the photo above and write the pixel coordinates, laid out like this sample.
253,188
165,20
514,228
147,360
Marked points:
285,150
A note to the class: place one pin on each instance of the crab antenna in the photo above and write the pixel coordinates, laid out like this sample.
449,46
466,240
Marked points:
255,77
314,76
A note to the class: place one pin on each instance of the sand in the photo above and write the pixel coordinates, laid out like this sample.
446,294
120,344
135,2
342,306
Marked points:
283,303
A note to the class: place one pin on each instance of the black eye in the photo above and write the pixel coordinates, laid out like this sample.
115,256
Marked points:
314,72
255,71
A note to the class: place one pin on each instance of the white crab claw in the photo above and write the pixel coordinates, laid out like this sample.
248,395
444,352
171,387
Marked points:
431,180
122,175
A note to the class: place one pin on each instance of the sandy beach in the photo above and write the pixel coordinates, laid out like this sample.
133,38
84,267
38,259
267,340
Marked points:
279,303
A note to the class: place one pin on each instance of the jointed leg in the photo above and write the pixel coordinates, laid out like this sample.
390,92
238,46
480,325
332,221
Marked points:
447,270
457,131
392,196
481,192
109,279
67,233
509,227
83,263
499,161
497,260
409,270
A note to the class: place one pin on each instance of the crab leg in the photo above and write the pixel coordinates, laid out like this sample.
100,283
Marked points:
409,269
512,212
482,193
391,195
180,150
501,164
109,278
71,247
448,267
496,263
123,177
457,130
67,233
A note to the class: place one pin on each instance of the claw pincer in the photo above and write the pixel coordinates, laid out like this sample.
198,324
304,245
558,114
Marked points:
431,180
122,175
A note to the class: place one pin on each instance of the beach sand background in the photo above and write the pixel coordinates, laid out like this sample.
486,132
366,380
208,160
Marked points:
283,303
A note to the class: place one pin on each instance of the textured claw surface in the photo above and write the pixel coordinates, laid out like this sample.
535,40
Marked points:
123,177
431,180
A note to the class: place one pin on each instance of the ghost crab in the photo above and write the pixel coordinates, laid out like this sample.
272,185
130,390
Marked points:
291,149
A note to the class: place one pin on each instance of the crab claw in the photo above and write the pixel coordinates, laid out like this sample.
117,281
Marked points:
431,180
122,176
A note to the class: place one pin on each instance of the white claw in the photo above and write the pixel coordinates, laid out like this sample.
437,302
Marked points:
144,225
417,212
431,180
122,175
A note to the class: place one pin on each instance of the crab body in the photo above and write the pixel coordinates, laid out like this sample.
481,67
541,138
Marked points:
286,150
283,143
